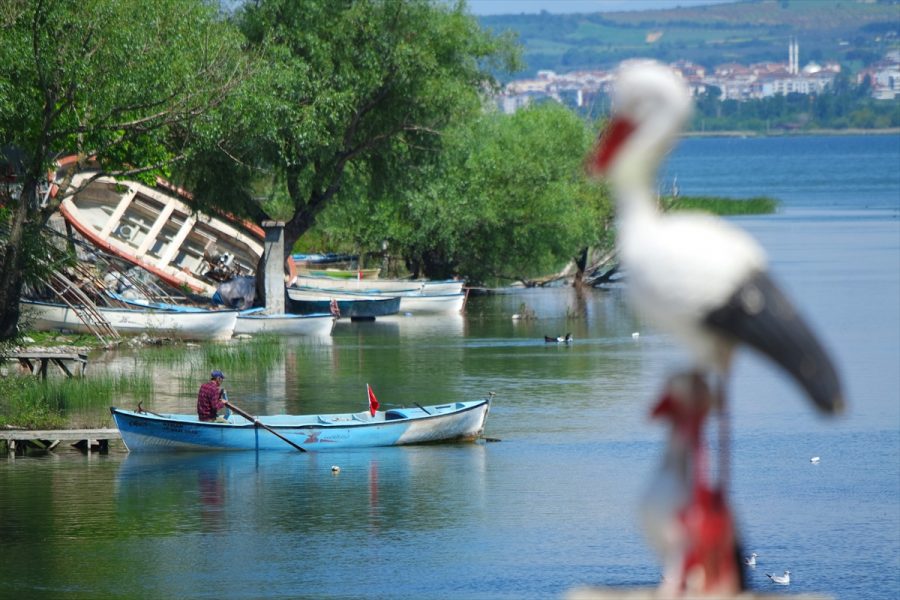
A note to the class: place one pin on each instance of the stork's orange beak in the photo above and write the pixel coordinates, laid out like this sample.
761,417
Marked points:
617,131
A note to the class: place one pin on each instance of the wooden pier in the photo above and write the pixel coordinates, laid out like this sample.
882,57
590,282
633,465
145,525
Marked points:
18,441
41,360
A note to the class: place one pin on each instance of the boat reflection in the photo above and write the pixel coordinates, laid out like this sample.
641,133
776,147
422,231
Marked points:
377,489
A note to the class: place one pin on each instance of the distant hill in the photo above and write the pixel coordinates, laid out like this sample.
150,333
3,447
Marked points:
852,32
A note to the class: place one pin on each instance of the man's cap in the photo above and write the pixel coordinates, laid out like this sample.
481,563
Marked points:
217,373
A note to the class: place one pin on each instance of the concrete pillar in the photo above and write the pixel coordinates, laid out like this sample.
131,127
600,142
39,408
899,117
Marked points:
273,271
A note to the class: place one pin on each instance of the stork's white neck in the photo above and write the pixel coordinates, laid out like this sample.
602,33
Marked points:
635,202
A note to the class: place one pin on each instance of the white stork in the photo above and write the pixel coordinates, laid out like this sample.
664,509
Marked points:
694,275
705,282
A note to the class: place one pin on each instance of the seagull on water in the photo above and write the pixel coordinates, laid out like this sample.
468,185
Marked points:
781,579
707,283
750,561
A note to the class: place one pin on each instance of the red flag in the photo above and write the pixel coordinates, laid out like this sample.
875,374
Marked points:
373,401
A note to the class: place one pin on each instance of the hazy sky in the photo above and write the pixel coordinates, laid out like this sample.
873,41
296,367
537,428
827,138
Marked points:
514,7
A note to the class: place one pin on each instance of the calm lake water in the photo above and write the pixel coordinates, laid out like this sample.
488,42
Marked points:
553,504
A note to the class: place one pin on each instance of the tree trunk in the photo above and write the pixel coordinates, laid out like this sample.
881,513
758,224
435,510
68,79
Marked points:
13,265
581,265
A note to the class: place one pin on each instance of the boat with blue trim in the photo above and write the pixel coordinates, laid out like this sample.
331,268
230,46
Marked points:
144,431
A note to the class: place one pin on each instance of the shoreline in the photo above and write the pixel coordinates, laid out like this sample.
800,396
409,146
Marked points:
786,133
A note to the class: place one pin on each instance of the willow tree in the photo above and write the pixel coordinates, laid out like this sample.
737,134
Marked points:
350,93
124,83
507,200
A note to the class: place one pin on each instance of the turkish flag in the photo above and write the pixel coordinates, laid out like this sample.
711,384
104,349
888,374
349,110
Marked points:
373,401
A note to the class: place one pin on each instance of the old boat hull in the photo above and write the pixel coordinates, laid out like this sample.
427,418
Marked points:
254,322
354,306
194,325
152,228
149,432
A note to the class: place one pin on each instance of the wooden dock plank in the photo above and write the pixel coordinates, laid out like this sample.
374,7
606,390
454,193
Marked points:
43,359
59,434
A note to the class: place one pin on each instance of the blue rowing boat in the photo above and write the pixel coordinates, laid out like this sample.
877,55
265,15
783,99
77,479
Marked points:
153,432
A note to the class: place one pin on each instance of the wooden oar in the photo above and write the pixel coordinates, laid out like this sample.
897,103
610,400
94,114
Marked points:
258,423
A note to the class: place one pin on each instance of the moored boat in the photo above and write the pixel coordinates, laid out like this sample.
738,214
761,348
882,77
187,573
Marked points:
341,273
349,304
431,304
382,286
153,432
254,321
187,325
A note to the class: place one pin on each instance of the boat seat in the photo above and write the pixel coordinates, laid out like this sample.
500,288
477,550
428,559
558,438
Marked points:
393,415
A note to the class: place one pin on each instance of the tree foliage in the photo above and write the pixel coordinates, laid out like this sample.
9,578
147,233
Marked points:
507,201
123,82
349,96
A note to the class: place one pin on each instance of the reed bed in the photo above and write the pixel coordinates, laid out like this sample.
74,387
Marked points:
717,205
53,403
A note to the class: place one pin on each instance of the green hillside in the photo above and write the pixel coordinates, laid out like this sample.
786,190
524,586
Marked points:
853,32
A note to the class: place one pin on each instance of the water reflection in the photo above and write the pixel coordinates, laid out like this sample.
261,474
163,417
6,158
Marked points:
416,488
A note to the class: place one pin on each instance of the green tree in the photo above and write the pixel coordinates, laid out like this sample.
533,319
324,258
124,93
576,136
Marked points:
351,95
123,83
507,201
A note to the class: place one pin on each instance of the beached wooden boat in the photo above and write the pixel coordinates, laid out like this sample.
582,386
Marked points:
350,304
253,321
153,432
187,325
153,228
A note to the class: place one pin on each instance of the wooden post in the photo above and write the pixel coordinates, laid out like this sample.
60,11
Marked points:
273,266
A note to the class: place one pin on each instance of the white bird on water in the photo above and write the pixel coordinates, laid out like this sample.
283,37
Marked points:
781,579
706,282
750,561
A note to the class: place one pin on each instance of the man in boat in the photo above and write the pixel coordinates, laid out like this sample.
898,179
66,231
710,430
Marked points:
211,398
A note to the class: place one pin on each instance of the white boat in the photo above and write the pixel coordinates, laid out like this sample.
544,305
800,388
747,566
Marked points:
431,304
187,325
152,228
253,321
381,286
425,299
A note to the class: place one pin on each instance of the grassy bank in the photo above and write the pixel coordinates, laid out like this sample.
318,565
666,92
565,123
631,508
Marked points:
717,205
34,403
58,402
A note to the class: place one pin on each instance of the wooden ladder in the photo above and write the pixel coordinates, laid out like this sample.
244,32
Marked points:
84,308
